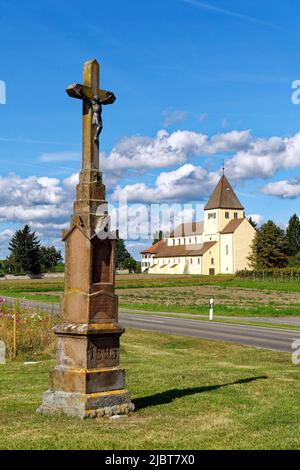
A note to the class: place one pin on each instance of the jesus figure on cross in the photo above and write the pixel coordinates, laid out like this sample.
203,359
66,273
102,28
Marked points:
96,104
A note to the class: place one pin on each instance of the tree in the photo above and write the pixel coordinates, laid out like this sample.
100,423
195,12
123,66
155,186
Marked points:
50,257
157,237
124,260
269,248
121,253
293,235
252,222
294,261
24,247
130,264
138,267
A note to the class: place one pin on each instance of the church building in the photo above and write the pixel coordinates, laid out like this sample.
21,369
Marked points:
220,244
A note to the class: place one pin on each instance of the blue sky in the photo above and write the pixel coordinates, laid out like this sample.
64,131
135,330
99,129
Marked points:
196,83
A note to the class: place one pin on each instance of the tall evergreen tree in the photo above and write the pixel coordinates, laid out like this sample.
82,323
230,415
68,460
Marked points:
121,253
252,222
269,248
157,236
24,247
293,235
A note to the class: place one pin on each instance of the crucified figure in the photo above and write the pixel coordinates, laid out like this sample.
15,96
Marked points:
96,104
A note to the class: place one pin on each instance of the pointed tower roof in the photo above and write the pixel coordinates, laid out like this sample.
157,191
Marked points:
223,197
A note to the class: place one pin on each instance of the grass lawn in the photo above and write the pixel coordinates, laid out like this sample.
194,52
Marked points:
182,294
138,281
237,311
189,394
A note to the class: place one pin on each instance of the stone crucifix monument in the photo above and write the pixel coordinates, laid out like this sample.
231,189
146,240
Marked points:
88,380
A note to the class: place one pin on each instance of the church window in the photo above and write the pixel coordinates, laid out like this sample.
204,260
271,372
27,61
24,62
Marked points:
226,215
191,260
196,239
174,241
190,241
227,249
235,215
212,261
199,261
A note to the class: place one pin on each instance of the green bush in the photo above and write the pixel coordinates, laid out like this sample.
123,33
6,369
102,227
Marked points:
294,261
289,273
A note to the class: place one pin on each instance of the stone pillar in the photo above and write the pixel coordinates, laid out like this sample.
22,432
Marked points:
88,380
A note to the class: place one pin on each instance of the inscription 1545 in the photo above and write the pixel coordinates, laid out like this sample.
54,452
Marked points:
103,354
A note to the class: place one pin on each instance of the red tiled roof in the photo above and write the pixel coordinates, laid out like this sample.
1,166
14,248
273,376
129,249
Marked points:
223,197
232,226
183,250
154,248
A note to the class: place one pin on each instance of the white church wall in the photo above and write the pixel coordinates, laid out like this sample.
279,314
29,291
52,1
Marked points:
243,239
226,254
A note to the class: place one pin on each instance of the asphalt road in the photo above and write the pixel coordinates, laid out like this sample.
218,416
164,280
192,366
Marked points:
255,336
258,337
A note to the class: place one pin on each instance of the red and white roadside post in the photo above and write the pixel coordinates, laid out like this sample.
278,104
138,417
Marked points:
211,309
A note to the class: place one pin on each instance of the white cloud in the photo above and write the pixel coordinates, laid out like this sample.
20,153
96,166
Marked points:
22,213
72,181
259,219
6,235
167,150
33,198
247,157
228,142
52,229
187,183
46,203
264,157
285,189
33,190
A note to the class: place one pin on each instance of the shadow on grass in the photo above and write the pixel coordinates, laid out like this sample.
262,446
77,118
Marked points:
171,395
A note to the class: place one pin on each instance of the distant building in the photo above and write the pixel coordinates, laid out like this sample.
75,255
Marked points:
220,244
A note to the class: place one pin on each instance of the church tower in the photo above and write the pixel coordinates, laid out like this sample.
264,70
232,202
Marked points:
222,207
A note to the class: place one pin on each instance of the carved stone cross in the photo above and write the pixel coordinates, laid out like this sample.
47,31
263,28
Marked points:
93,98
88,380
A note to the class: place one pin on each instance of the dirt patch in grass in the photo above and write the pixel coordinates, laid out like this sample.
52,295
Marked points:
199,296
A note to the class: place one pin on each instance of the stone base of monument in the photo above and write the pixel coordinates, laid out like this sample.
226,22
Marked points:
83,406
87,381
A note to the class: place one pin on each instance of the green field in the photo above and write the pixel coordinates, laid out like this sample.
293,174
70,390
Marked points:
182,294
189,394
